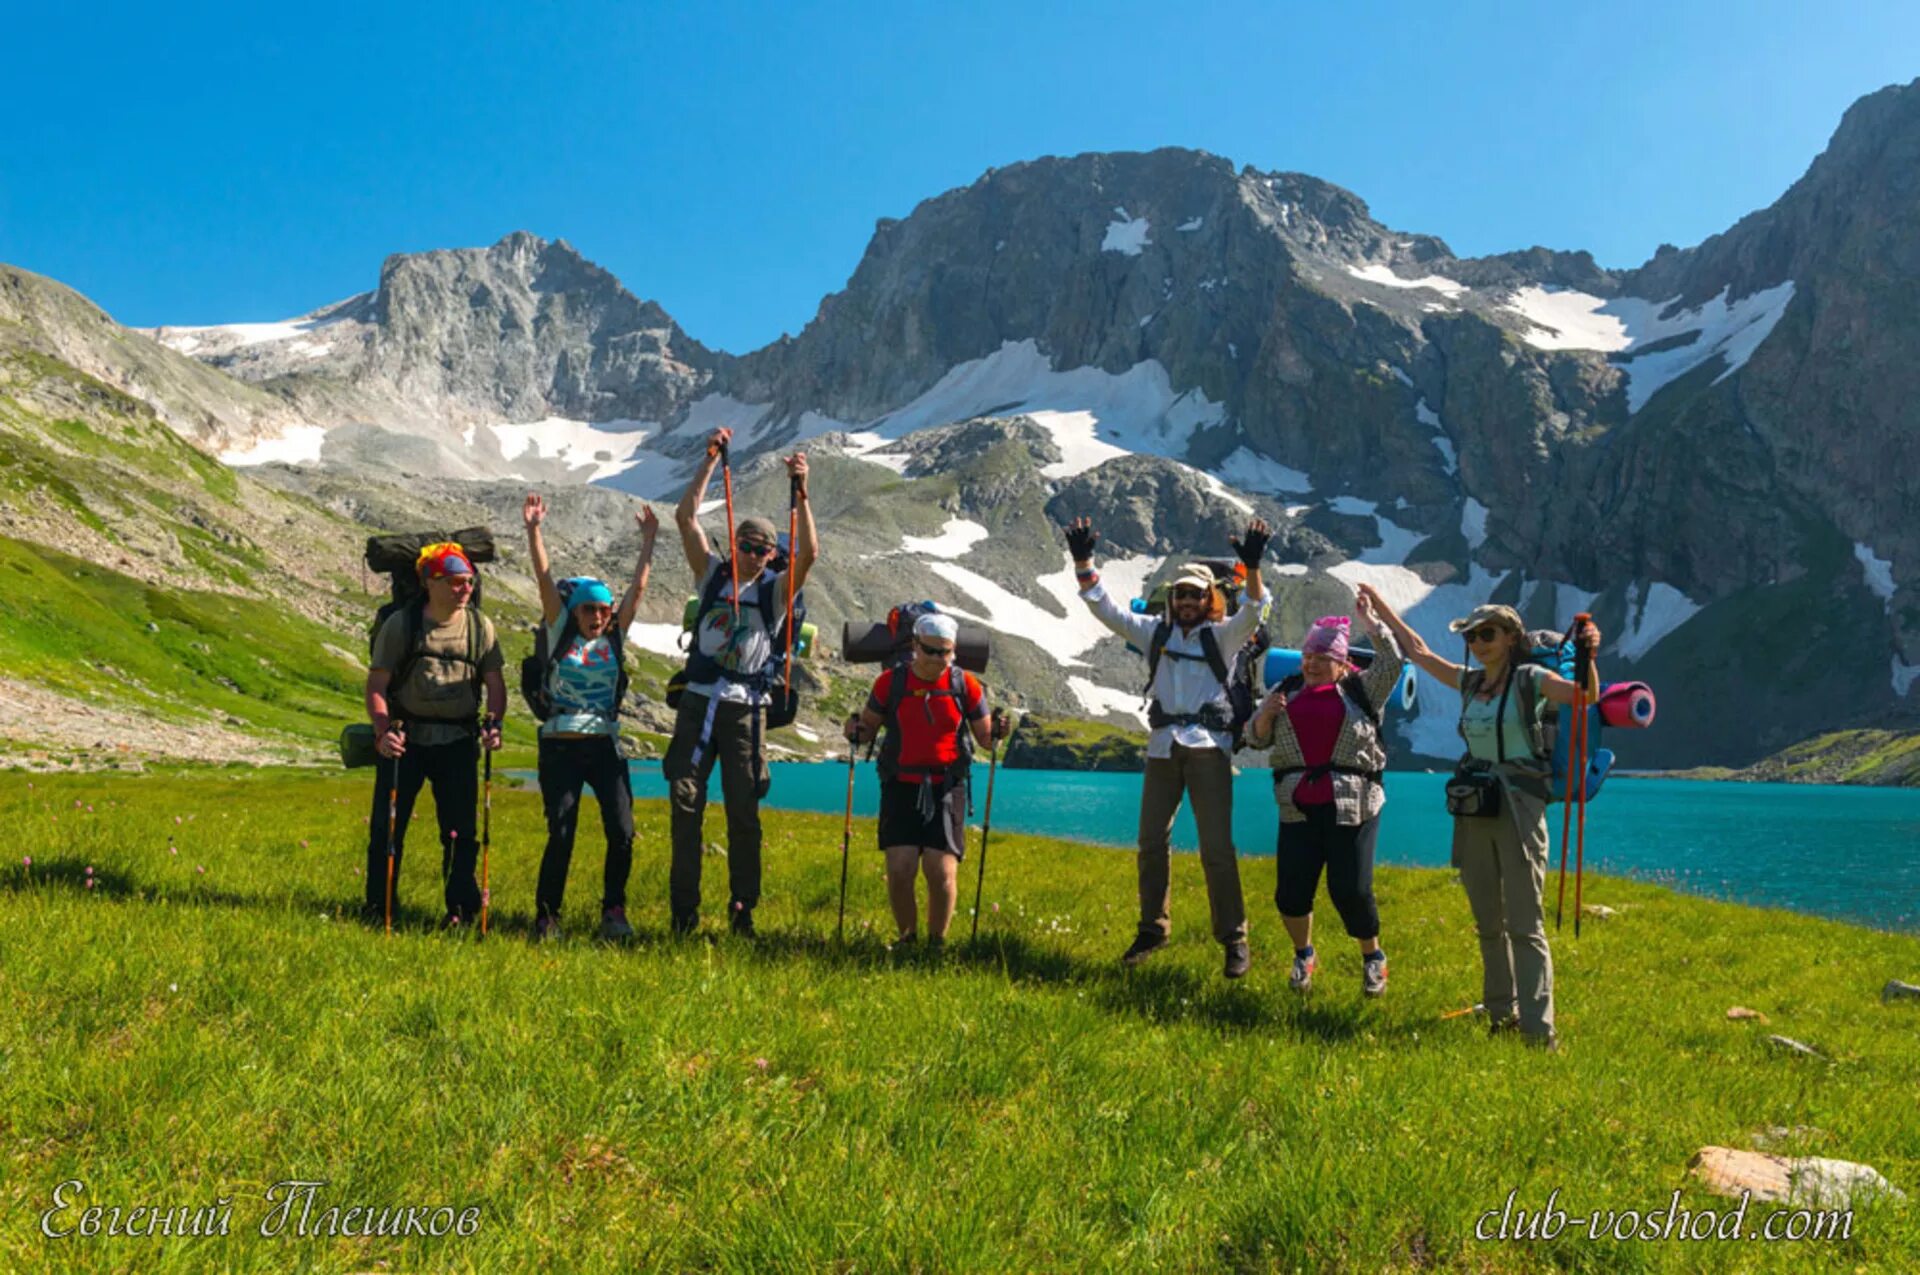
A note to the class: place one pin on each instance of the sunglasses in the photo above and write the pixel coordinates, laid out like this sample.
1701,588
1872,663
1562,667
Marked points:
1485,633
458,582
1189,595
941,651
754,546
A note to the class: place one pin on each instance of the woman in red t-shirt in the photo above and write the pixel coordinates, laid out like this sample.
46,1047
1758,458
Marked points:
924,704
1328,758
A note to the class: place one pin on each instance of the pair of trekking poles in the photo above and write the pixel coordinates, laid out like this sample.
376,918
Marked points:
986,832
1576,766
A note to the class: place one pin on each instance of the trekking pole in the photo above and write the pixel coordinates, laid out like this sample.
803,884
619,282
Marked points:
733,550
1582,669
393,819
1566,809
846,840
986,831
486,832
793,531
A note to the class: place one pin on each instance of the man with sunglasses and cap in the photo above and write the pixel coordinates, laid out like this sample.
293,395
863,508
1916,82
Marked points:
1190,749
925,702
720,714
430,660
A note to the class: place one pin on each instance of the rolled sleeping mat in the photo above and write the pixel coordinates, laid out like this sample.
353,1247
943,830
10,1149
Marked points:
1283,662
864,642
1627,704
1599,760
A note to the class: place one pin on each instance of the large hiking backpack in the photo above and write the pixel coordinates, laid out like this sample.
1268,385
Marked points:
536,670
897,692
1548,725
769,681
394,556
1231,709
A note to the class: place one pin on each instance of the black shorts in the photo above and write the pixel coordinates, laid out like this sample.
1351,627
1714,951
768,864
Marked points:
902,824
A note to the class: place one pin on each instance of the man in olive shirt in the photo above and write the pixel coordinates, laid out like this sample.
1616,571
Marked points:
423,695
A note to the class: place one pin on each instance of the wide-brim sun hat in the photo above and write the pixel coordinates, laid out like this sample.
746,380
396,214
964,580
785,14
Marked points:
1489,613
1195,575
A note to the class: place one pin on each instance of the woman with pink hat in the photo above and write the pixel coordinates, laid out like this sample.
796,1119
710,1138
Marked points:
1323,724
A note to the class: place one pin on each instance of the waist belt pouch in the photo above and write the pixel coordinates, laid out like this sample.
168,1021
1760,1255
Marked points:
356,746
782,707
676,687
1474,794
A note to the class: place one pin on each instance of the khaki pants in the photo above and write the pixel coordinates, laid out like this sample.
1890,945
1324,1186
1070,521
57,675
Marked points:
1207,773
742,784
1503,865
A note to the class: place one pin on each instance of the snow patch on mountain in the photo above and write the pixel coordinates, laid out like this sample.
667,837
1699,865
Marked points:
1904,676
1878,572
1473,523
1567,319
1100,700
1250,471
1386,278
610,447
1125,234
1652,617
1396,542
1568,602
298,446
1190,224
661,639
958,537
223,338
1065,635
1443,444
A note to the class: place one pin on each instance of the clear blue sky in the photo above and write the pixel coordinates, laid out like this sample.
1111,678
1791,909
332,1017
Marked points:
185,164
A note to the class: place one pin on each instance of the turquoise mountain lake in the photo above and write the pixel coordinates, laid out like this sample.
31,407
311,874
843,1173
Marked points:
1852,853
1832,851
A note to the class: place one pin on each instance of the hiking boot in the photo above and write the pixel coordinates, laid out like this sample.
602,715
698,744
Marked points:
546,929
684,924
1373,975
1239,960
937,945
1546,1043
1144,945
613,925
1505,1026
1300,978
741,922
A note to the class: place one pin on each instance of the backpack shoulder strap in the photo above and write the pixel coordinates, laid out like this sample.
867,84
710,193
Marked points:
1532,705
413,620
1210,647
1156,646
1290,684
1355,685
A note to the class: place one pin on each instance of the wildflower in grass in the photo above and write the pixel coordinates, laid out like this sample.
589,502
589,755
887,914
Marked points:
89,869
76,803
173,987
89,883
26,860
761,1063
201,868
176,819
303,843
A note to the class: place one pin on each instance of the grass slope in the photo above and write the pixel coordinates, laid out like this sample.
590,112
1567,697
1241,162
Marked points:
174,1035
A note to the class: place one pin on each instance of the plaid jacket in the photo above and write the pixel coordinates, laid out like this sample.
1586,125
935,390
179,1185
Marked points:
1355,800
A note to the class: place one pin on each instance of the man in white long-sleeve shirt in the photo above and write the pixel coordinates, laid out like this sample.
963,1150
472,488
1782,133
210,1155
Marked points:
1191,747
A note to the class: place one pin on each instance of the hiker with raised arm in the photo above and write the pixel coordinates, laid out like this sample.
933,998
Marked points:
935,715
1498,797
1329,758
741,641
576,684
431,659
1190,749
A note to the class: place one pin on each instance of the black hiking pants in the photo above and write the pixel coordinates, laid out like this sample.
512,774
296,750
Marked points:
450,768
1345,852
566,766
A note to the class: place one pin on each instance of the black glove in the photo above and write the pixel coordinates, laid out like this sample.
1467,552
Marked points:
1252,548
1080,542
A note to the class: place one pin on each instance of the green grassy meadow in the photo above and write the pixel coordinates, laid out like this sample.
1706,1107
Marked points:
206,1020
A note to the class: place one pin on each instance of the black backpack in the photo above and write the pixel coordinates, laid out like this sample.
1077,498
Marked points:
782,706
1233,707
536,670
394,556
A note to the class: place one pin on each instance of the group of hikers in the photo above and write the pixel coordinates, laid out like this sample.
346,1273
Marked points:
433,665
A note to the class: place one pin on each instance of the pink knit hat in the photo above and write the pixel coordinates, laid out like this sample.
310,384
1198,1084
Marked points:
1328,636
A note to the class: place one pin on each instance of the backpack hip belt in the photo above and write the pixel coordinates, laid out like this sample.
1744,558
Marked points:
1324,769
1215,715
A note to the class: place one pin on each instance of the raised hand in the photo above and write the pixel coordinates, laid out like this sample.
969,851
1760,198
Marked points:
1081,538
718,440
649,523
534,511
797,468
1251,547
